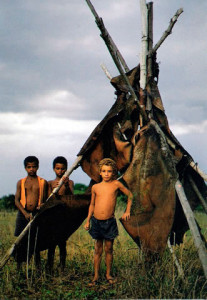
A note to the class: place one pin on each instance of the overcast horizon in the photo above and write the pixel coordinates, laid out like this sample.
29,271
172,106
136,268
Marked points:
54,92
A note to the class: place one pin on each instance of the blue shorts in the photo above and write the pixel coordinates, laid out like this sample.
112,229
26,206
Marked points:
103,229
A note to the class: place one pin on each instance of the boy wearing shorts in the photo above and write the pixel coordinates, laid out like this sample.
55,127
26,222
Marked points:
101,214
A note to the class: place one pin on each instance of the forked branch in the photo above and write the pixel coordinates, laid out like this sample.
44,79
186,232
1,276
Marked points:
167,31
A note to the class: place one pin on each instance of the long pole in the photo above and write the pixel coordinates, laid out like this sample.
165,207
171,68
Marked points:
116,56
100,24
193,226
144,44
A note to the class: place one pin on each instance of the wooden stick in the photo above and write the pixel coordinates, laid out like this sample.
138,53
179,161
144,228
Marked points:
203,202
167,31
116,55
100,25
144,44
104,68
198,170
150,37
175,260
192,163
28,246
33,260
193,227
25,230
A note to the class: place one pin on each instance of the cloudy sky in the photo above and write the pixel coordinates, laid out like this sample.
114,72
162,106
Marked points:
54,92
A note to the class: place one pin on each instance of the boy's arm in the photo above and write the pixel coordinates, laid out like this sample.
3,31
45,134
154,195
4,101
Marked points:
71,185
45,194
49,187
128,193
45,191
27,215
91,209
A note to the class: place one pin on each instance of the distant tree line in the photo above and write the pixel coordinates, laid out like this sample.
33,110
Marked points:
7,202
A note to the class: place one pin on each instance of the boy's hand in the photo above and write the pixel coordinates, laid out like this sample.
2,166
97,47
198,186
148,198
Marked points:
28,216
65,180
126,216
39,206
87,226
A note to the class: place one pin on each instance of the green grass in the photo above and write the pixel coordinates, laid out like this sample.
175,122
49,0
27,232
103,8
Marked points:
135,281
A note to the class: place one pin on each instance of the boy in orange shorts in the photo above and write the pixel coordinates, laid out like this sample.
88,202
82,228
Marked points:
101,214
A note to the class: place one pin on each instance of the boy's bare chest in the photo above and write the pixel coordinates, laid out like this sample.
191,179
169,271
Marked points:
32,186
106,191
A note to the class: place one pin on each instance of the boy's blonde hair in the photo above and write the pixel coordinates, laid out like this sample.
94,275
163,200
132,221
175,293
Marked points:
109,162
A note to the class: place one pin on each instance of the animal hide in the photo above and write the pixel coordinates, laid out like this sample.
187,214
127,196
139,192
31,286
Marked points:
151,177
57,220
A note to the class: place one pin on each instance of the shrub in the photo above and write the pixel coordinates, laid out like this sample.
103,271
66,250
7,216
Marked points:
7,202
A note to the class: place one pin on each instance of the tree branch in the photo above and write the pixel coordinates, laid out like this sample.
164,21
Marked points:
167,32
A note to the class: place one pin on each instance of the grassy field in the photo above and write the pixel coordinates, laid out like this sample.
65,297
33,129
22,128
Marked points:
134,280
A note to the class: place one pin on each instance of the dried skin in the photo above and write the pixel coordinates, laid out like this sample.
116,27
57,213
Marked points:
151,177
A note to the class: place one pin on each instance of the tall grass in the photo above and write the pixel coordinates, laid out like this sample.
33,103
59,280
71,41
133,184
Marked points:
135,280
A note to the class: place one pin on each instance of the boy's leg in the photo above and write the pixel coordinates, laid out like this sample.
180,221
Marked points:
63,253
109,259
50,258
37,259
97,258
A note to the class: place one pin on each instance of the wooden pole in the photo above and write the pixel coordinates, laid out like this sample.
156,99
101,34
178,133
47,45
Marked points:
143,58
148,105
202,200
25,230
104,68
150,37
116,55
167,31
144,44
175,260
192,163
192,225
198,170
105,33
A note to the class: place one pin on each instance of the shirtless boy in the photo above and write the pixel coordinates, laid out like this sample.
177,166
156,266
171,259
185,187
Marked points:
60,165
101,214
30,195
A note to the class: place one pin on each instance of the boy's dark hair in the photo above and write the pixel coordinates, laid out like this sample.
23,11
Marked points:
109,162
31,159
60,160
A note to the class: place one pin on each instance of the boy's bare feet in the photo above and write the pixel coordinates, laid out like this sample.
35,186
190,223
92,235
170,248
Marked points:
93,283
111,280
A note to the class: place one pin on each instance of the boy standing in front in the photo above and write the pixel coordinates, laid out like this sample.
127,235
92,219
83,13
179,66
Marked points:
60,165
101,213
30,194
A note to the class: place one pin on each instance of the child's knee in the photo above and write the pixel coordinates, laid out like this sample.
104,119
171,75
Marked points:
108,248
99,249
